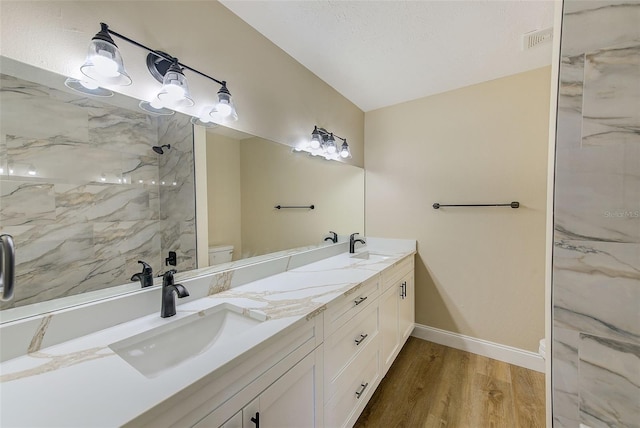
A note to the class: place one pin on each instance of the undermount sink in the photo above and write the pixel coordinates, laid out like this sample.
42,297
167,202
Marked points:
169,345
368,255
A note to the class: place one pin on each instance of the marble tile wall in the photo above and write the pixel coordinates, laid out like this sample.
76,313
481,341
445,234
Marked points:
94,206
596,277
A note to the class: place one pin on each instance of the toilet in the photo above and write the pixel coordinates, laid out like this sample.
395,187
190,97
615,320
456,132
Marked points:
220,254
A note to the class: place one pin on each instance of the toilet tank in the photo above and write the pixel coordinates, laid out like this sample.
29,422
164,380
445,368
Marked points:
220,254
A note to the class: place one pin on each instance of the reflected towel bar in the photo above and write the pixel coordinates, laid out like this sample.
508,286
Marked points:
309,207
514,204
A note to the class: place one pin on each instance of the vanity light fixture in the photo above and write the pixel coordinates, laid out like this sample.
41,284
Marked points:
323,143
104,65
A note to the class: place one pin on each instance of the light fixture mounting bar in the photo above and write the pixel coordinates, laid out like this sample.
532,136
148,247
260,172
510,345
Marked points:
326,133
162,54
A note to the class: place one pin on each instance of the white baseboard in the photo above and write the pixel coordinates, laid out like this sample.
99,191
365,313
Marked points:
508,354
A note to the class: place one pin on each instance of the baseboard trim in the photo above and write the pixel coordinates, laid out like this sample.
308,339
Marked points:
508,354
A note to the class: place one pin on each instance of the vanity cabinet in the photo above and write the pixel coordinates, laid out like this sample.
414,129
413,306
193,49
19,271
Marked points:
288,402
320,374
397,310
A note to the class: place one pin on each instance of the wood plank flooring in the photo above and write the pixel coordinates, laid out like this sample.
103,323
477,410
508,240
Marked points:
431,385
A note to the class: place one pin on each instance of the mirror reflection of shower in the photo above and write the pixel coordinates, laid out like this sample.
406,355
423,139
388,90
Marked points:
160,149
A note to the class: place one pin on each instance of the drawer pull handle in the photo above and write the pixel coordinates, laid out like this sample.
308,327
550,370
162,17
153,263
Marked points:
363,386
256,420
360,300
362,338
403,289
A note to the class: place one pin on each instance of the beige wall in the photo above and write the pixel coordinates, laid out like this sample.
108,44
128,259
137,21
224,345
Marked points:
277,98
223,192
273,175
479,271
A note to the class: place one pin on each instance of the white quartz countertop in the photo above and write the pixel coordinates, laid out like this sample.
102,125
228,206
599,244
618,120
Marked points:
82,382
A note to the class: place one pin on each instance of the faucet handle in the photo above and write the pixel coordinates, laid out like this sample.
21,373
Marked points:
167,277
145,267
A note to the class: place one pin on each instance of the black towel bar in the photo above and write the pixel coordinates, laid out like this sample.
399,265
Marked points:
514,204
309,207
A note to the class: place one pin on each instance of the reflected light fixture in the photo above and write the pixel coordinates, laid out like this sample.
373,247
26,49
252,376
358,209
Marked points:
104,66
87,86
323,143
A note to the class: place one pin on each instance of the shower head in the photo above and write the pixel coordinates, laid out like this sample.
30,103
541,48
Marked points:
159,149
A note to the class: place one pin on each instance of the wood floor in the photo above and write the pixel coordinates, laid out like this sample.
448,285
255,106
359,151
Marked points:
431,385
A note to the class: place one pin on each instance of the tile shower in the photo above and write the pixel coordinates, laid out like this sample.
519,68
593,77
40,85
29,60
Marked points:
99,198
596,261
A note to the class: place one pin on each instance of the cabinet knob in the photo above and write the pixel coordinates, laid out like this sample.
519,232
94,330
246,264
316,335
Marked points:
361,339
363,386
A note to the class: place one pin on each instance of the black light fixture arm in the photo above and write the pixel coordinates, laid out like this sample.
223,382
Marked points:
326,133
160,54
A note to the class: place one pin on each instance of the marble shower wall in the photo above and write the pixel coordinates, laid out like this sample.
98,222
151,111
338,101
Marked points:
95,203
596,282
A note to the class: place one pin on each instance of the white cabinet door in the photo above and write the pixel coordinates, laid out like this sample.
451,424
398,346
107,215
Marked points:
389,332
291,401
406,307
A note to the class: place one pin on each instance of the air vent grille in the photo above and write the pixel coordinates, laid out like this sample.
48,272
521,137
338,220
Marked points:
535,38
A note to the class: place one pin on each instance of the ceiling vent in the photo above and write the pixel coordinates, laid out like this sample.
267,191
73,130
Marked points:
535,38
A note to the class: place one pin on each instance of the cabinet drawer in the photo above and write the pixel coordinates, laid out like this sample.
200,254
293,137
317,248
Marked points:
395,273
351,304
333,385
346,343
349,401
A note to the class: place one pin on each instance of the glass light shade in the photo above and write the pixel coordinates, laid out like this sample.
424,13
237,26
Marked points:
316,139
104,64
175,91
345,152
330,145
224,110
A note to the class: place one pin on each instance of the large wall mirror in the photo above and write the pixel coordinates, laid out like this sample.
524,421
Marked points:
85,196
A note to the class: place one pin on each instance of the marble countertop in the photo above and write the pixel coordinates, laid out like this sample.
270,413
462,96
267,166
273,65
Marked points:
82,382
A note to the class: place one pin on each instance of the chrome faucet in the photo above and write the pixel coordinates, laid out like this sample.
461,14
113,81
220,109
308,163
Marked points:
352,242
333,238
168,308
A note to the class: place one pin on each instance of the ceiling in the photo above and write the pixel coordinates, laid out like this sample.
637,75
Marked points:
381,53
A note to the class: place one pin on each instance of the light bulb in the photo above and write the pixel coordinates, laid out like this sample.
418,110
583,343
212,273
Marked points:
140,181
172,93
331,149
344,153
205,118
153,182
119,180
224,109
175,183
31,171
315,143
162,183
103,178
10,170
104,64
